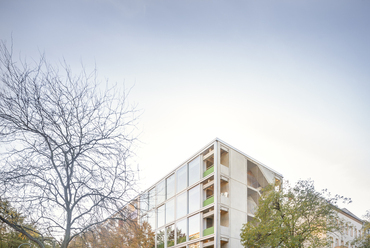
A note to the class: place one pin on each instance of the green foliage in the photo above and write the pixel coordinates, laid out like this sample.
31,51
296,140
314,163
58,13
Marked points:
364,240
10,238
110,235
296,216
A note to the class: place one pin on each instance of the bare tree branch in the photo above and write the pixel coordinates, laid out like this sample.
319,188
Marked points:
66,143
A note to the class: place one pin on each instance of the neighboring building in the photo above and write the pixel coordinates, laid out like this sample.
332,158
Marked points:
205,201
350,230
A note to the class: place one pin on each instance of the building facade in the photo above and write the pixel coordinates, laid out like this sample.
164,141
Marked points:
205,201
351,229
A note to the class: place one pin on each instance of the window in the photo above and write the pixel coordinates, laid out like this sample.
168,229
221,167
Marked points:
144,218
351,230
336,242
182,178
355,233
151,219
160,216
161,194
160,238
144,202
194,227
194,199
170,186
194,171
181,229
194,245
170,230
181,205
170,211
151,198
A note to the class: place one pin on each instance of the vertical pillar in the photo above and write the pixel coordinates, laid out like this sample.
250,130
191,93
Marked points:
216,194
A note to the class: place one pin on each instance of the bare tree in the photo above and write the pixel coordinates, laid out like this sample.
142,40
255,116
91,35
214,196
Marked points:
65,146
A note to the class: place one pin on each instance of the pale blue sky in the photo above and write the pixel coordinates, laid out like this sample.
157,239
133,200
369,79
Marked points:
287,82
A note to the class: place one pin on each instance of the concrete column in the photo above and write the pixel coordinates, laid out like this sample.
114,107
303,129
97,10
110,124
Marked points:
217,193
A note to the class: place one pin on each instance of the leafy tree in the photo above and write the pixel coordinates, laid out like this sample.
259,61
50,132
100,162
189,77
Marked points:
296,216
364,240
11,220
115,234
65,143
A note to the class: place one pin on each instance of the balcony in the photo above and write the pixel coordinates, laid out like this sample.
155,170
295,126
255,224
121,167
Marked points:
252,206
224,199
208,231
224,170
209,171
252,181
208,201
225,231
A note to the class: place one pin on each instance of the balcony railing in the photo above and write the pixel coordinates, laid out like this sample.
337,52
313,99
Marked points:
208,231
208,201
209,171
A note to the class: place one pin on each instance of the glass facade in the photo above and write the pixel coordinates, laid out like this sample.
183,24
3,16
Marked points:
161,192
194,171
170,231
182,178
194,199
151,219
160,238
181,205
170,211
195,245
151,197
194,227
170,186
181,208
144,202
161,216
181,231
162,207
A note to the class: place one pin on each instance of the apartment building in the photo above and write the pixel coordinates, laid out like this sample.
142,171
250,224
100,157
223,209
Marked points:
351,229
204,201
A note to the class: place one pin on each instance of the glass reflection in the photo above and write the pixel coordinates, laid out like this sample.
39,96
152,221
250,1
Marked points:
170,211
181,231
151,219
160,238
194,171
161,192
194,227
181,205
194,199
170,230
170,184
182,179
151,198
161,216
195,245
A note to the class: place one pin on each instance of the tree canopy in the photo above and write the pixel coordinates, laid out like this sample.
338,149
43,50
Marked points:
65,144
291,217
117,234
363,241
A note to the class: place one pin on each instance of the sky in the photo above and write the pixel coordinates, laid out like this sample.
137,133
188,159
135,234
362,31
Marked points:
285,81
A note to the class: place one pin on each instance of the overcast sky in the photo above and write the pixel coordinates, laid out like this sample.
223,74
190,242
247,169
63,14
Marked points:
287,82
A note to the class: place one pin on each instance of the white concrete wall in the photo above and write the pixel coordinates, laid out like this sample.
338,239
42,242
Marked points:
238,195
356,225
